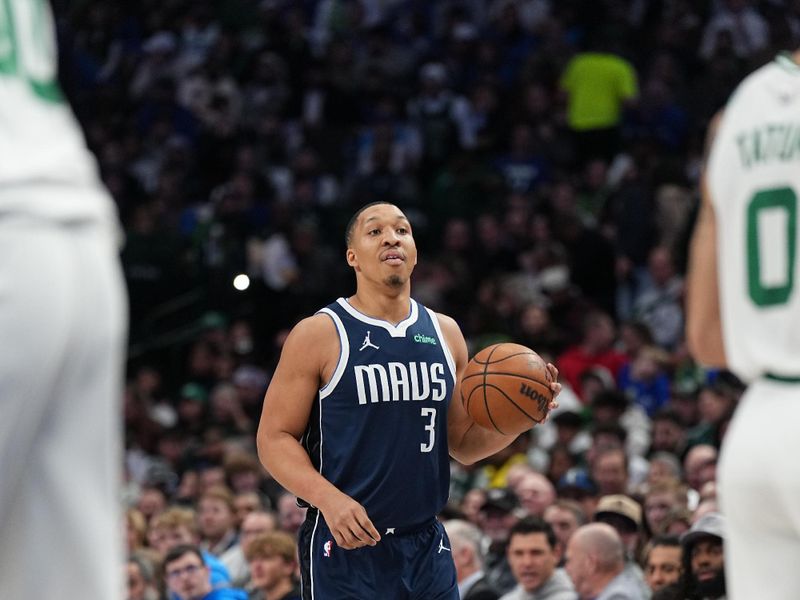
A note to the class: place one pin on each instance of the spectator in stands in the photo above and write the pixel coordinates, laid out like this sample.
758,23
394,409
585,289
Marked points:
255,524
599,84
699,466
499,513
272,558
140,578
596,565
663,558
467,545
594,350
532,552
668,433
564,517
187,577
217,520
178,526
659,500
703,574
624,514
535,493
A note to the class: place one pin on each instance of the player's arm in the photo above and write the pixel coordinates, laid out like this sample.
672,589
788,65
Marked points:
310,352
703,319
469,442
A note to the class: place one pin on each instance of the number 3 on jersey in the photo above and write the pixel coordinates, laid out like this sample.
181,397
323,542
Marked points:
771,245
430,428
27,46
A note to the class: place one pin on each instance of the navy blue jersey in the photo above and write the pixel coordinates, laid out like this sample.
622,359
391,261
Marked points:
378,428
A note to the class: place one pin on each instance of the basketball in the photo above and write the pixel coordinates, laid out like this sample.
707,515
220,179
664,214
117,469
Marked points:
506,388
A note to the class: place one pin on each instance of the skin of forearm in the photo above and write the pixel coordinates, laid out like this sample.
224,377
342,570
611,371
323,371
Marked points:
289,464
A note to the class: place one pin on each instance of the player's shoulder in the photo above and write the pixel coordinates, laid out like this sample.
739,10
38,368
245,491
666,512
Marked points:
312,331
446,322
767,79
452,335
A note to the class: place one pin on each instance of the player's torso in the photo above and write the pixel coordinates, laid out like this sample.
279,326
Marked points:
754,180
41,145
379,428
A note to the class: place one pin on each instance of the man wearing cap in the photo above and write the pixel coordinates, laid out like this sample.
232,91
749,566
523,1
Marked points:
624,514
703,560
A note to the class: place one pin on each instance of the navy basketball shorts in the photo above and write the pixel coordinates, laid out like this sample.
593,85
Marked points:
411,564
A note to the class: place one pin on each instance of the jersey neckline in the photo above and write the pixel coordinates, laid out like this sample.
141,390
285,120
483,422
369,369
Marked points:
398,330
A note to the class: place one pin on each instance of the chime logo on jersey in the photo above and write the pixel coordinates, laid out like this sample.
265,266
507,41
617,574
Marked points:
400,381
421,338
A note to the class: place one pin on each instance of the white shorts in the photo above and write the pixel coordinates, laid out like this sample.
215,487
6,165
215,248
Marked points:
62,334
759,487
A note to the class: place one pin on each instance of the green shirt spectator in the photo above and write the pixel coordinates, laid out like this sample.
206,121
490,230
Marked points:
598,84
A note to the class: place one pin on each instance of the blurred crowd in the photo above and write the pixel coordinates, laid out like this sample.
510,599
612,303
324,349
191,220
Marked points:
548,156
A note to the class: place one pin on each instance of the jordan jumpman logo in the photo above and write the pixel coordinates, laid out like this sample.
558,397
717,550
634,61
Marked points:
368,344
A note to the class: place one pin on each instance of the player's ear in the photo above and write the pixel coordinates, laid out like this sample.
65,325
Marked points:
351,258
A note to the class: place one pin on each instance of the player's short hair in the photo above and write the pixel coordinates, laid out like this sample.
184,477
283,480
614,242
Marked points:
348,232
273,543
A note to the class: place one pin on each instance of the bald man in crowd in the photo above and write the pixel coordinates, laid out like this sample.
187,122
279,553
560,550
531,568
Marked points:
596,565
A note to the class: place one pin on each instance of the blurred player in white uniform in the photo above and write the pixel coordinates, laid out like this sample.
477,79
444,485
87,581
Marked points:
744,313
62,334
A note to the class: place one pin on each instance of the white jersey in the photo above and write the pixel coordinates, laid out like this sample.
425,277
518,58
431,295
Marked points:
42,149
754,182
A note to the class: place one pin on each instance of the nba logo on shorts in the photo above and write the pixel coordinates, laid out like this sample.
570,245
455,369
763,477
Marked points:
326,549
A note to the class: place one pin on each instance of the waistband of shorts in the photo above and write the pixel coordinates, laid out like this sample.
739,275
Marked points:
408,530
384,530
795,379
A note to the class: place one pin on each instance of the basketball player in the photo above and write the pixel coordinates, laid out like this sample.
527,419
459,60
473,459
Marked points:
744,313
358,422
62,330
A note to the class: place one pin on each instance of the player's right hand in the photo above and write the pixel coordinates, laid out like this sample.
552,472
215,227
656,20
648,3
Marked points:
349,523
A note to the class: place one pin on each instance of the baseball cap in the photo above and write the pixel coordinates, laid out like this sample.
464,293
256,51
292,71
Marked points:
502,499
619,504
709,525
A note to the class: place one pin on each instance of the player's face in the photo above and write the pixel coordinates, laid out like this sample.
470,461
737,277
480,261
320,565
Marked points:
382,247
663,566
532,560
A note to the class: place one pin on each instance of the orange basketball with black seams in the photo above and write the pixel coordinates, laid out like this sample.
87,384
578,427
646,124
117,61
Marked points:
506,388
